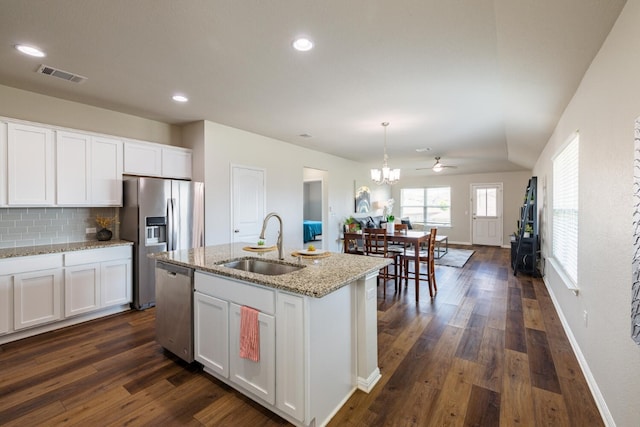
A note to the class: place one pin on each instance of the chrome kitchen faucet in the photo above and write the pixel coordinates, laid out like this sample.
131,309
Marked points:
264,227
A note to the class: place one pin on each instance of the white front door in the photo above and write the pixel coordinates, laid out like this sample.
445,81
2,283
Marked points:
486,207
247,203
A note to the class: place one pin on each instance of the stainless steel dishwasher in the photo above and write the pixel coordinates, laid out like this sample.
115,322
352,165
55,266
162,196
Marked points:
174,309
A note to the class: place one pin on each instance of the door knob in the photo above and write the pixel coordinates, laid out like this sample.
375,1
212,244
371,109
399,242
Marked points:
236,231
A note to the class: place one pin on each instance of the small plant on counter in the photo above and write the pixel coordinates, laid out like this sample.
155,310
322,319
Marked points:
105,222
104,233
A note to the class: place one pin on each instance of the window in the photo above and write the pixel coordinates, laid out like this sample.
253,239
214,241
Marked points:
565,209
486,202
431,206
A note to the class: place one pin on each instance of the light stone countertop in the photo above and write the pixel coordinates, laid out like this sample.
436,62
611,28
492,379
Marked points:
320,277
58,248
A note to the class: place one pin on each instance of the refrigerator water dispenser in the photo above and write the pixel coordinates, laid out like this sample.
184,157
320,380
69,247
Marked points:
156,230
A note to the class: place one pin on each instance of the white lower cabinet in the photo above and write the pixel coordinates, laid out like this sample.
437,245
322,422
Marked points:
37,298
218,302
211,333
277,378
6,304
97,278
255,377
290,348
44,289
115,278
81,289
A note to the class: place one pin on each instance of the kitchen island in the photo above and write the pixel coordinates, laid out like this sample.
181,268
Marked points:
317,325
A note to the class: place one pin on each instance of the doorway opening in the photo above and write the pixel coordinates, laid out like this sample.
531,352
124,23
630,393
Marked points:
314,215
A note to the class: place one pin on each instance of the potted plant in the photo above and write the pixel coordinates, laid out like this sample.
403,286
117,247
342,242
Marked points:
104,233
351,224
528,230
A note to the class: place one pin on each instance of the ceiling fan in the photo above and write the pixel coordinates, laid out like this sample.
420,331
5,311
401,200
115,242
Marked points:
437,166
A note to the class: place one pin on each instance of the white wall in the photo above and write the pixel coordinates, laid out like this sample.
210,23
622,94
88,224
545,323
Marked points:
514,186
313,200
284,164
24,105
603,109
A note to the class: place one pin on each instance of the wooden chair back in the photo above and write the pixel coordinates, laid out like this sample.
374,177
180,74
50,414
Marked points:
401,228
375,242
353,243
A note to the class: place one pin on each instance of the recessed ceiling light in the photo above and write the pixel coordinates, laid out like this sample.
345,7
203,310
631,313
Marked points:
180,98
423,150
30,50
302,44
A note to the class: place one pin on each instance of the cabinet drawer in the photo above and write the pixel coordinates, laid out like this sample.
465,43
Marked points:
29,263
241,293
97,255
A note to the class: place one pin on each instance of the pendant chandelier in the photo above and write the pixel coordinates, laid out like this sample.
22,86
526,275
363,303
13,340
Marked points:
385,175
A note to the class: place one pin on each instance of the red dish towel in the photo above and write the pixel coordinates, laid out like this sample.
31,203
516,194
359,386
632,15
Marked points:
249,334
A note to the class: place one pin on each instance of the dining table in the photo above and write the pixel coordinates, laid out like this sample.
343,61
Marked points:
414,238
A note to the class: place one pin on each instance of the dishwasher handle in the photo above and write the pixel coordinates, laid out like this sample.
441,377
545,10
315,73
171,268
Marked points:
174,270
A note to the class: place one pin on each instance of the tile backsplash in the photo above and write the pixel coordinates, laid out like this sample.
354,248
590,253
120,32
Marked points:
46,226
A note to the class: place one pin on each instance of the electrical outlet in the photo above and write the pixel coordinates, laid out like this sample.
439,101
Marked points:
91,230
585,317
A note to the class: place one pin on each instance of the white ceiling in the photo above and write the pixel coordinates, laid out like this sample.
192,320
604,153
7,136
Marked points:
482,83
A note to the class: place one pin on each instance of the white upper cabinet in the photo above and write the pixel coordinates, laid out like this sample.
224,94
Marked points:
73,173
142,159
176,162
106,171
44,165
30,165
3,164
149,159
88,170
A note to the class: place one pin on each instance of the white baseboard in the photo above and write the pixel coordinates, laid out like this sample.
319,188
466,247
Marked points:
367,384
591,381
36,330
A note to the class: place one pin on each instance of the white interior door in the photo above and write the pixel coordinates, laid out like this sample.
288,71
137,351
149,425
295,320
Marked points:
486,210
247,203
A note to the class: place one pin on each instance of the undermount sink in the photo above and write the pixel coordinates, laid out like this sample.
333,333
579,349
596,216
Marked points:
261,266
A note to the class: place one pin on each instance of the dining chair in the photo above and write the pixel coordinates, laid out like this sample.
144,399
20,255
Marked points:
352,244
398,249
400,228
424,256
376,244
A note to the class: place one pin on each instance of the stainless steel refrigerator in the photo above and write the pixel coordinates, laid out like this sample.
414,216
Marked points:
159,215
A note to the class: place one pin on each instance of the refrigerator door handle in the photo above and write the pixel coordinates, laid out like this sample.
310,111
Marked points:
170,225
174,228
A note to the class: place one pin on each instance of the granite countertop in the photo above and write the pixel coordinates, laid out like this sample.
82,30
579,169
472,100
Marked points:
62,247
321,275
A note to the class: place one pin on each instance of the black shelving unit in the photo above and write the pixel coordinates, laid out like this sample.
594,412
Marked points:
525,248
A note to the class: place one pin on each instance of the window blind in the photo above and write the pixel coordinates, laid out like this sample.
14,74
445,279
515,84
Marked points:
565,209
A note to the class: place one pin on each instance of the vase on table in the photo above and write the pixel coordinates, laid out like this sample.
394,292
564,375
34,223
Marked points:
103,235
390,227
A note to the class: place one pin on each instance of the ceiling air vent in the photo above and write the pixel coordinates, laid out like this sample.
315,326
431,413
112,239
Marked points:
64,75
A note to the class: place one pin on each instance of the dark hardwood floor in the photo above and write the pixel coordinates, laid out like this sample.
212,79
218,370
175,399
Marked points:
488,350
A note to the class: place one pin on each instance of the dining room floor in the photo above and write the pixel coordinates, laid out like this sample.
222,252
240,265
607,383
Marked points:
487,350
